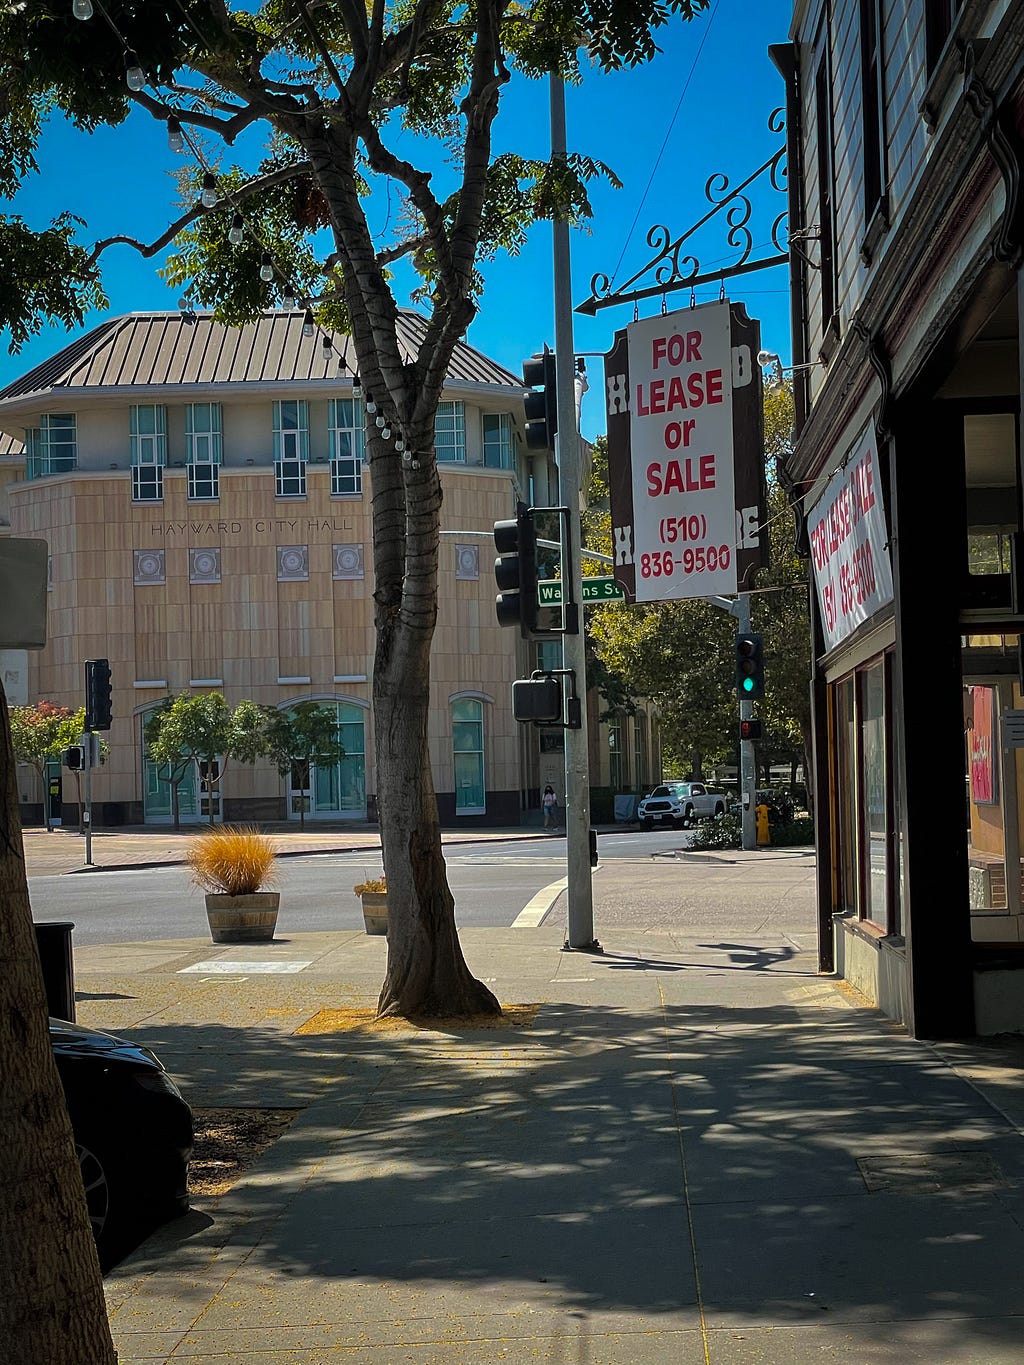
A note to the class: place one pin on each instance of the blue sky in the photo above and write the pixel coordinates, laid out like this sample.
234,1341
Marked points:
664,128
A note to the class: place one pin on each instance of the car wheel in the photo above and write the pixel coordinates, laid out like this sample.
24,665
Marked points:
687,817
719,809
110,1210
647,824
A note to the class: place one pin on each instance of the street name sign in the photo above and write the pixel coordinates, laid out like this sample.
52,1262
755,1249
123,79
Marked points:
549,591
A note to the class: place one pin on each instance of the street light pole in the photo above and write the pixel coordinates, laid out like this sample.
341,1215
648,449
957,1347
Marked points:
577,766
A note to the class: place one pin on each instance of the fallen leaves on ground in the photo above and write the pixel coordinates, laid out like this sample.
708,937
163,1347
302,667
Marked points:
229,1141
343,1020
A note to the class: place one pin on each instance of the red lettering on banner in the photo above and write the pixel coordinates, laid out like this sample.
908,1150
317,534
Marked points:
681,476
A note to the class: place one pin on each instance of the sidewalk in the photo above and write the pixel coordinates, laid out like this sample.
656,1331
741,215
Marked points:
699,1151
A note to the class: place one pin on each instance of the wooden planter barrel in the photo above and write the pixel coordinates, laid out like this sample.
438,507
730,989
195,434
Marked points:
243,919
375,911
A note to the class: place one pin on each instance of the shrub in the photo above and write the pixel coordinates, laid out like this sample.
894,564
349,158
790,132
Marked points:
234,861
725,832
798,831
780,806
373,886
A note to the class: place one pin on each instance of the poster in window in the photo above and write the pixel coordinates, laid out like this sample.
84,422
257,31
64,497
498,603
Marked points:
981,746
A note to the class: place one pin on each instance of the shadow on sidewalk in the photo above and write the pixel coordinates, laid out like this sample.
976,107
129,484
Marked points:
584,1163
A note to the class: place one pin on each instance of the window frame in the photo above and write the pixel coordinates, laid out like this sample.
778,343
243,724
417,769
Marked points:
450,438
502,436
459,753
291,448
347,468
874,139
209,441
824,124
41,445
148,452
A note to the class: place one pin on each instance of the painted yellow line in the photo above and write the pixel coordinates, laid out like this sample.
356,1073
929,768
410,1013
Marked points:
531,915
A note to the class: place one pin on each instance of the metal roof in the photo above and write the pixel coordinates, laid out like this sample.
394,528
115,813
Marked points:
147,349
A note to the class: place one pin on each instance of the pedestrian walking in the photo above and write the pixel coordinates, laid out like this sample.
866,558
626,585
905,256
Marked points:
549,802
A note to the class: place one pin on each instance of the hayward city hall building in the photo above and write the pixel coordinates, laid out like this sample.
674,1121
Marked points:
204,497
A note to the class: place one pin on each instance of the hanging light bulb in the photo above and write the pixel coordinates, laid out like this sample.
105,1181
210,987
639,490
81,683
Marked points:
386,433
406,454
82,9
415,464
288,297
342,364
380,419
371,406
266,267
209,195
307,324
400,445
175,137
327,346
133,72
236,234
357,386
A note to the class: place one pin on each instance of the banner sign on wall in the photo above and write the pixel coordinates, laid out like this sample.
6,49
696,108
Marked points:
850,544
686,453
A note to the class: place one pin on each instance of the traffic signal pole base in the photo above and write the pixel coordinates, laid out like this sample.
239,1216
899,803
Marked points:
592,947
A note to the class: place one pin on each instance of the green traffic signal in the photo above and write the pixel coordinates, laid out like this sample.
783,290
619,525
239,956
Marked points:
749,667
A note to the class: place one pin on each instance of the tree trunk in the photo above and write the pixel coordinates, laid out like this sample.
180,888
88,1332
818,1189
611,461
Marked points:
426,972
51,1306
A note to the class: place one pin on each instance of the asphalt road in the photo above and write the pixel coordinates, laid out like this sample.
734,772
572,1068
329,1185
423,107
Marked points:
492,883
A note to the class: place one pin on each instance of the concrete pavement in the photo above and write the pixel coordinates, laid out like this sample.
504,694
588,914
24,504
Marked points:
697,1151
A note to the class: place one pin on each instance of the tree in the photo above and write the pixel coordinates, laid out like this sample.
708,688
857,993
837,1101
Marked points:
52,1305
202,730
302,736
40,734
351,95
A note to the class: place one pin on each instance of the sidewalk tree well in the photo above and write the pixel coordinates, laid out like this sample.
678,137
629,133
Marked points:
304,736
51,1308
202,729
378,166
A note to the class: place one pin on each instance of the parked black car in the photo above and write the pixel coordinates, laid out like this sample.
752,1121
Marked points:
133,1134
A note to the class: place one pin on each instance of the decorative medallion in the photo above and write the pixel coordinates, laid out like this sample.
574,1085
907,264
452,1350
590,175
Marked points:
292,563
204,565
467,562
348,561
149,566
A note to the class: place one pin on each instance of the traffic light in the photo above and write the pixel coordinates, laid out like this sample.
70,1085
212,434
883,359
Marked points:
97,694
750,729
749,667
541,403
515,571
74,758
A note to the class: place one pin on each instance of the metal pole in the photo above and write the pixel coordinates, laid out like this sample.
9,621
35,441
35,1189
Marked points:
748,774
577,766
87,749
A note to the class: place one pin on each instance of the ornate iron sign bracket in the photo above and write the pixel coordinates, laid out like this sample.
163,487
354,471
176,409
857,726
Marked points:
672,269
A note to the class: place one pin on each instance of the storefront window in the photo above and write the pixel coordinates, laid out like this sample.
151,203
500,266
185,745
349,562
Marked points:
873,793
846,795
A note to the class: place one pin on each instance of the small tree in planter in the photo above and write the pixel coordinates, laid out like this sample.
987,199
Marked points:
40,734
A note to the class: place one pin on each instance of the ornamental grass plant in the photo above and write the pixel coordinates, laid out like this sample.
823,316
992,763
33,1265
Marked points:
232,861
374,886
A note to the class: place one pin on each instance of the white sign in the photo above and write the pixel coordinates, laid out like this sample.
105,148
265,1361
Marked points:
683,536
850,545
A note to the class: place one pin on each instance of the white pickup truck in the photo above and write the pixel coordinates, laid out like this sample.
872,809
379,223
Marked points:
678,804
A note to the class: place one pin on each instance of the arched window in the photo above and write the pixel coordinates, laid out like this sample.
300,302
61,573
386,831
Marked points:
468,754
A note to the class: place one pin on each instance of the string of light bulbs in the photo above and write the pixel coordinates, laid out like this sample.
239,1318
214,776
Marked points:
211,195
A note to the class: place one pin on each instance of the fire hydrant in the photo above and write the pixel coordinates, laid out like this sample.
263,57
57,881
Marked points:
763,832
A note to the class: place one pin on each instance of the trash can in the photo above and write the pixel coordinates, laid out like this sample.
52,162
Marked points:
763,830
54,944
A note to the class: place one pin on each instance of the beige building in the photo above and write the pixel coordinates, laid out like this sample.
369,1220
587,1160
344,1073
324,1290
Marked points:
207,509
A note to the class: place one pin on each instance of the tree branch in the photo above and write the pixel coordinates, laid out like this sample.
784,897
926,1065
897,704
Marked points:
228,129
198,210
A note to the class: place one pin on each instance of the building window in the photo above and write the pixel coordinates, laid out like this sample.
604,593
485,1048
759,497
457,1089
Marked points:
616,764
826,196
345,424
148,424
203,449
450,431
939,18
872,73
639,750
874,792
52,447
468,753
499,440
291,448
